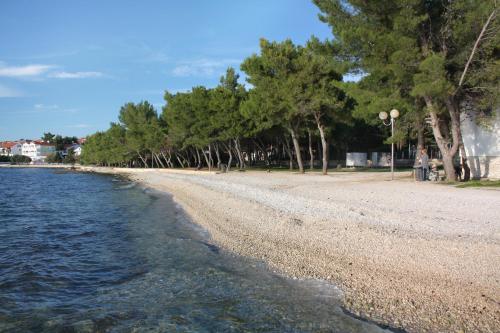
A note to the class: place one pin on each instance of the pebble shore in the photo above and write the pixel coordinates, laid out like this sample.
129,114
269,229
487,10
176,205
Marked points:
422,257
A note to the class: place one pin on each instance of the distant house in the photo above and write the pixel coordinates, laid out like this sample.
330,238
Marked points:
10,148
482,145
77,149
37,150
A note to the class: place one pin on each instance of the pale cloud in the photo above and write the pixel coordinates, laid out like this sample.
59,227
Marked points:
36,110
46,107
39,72
23,71
40,108
203,67
75,75
9,92
49,55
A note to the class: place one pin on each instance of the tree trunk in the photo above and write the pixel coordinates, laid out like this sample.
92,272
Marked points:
179,160
447,153
168,159
205,155
217,154
296,145
230,160
186,158
210,160
153,161
198,159
238,150
324,143
311,155
449,168
465,163
263,150
324,146
142,159
286,147
159,160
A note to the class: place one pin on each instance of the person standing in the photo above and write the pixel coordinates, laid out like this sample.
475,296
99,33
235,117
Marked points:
424,162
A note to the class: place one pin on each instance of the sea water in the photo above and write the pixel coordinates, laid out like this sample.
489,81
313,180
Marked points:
94,253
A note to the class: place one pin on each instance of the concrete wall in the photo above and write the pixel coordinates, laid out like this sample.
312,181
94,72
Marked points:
356,159
482,144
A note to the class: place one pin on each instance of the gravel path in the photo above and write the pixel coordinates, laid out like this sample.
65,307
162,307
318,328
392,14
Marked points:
419,256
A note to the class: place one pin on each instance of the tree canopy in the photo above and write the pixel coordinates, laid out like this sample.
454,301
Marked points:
434,61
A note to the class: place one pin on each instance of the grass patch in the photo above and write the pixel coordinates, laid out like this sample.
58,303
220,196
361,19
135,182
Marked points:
479,183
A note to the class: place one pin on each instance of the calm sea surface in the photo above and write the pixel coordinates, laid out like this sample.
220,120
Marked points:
93,253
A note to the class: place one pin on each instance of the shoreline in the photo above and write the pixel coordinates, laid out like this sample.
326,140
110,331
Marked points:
436,275
43,166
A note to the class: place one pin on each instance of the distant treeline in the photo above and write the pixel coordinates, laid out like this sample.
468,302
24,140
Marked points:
16,159
434,61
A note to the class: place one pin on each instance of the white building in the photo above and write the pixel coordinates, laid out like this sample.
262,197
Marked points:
37,150
77,149
10,148
482,145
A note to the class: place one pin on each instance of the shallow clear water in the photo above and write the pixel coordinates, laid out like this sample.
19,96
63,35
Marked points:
85,252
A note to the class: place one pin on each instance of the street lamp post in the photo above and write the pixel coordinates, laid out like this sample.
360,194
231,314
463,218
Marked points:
383,116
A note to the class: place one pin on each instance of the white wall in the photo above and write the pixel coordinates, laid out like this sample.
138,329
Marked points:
16,150
356,159
482,145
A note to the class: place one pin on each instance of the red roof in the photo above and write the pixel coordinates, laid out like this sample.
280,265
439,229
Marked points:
42,143
8,144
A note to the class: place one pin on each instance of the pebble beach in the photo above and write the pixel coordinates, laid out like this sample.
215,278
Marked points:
420,257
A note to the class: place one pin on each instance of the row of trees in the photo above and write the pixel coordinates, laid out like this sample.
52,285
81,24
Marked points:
432,60
295,92
16,159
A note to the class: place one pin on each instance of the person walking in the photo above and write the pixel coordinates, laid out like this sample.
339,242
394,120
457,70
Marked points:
424,162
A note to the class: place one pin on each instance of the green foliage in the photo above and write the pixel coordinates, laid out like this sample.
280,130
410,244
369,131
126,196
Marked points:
431,79
187,116
70,157
142,127
203,116
226,120
139,132
271,73
4,158
20,159
416,47
48,137
317,87
60,142
54,158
